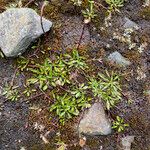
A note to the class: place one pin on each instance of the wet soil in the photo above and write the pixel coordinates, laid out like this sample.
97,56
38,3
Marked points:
25,122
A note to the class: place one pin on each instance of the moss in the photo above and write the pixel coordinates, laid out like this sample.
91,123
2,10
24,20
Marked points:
133,56
145,13
51,12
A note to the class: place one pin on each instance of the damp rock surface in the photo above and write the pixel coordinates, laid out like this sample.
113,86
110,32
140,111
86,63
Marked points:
18,28
130,24
95,122
117,58
126,142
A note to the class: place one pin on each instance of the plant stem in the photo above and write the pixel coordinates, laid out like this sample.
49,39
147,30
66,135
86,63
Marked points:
13,78
81,36
30,98
41,15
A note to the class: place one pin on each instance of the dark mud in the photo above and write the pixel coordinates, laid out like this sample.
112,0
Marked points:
18,122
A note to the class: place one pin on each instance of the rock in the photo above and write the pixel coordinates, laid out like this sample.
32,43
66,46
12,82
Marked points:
118,59
126,142
95,122
18,28
146,3
130,24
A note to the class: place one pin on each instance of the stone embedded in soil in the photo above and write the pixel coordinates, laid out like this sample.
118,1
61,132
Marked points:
130,24
71,32
119,59
126,142
18,28
95,122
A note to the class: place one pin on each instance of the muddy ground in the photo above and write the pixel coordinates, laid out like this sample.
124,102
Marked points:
23,123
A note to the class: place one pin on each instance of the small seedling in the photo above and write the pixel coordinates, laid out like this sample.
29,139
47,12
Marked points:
115,4
11,93
42,74
89,13
28,91
50,74
60,73
22,63
77,2
79,91
119,124
61,145
75,61
65,107
107,88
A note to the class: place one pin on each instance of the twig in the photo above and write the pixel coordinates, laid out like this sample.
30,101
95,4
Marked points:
81,36
41,15
13,78
46,96
30,98
31,1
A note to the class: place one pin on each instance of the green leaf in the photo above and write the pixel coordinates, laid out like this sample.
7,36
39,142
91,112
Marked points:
32,80
45,87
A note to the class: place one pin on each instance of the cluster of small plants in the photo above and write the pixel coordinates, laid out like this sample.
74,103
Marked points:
28,90
49,74
69,104
11,93
56,73
119,124
107,88
89,13
114,5
77,2
22,63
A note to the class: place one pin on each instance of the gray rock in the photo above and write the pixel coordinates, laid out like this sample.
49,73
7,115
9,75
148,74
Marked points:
130,24
118,59
95,122
18,28
126,142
